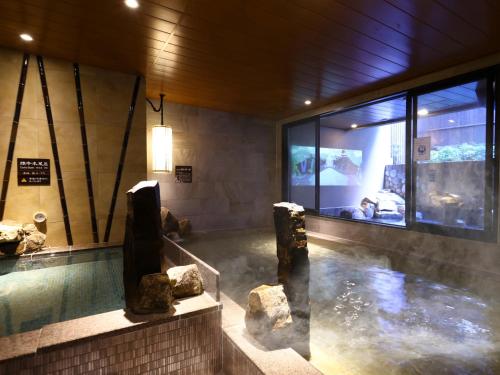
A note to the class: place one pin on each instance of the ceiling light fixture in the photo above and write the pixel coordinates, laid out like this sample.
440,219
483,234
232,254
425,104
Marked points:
134,4
26,37
307,102
423,112
354,126
451,121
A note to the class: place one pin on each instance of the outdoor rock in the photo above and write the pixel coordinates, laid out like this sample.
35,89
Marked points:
186,281
268,314
10,232
154,294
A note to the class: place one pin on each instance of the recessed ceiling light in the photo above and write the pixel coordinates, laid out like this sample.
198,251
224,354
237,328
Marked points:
307,102
132,4
451,121
26,37
354,126
423,112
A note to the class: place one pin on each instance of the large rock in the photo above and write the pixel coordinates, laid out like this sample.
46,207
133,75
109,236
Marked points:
186,281
10,232
34,242
169,222
184,227
293,271
289,222
154,294
268,315
18,239
30,229
143,238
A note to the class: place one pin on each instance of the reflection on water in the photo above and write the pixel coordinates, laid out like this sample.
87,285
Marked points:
365,317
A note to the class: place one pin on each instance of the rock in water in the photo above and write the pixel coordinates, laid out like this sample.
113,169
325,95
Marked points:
184,227
169,222
143,237
154,294
268,314
293,271
289,222
10,232
186,281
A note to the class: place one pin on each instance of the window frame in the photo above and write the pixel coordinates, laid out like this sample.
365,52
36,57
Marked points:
489,233
492,164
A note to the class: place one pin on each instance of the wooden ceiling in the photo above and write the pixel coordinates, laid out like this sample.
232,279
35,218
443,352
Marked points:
261,57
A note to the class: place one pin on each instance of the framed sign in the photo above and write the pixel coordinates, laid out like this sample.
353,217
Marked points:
422,149
183,174
33,172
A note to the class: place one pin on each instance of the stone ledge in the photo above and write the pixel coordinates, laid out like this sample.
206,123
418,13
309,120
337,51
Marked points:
269,362
110,323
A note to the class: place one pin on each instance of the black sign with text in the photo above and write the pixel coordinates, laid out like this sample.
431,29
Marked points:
183,174
33,172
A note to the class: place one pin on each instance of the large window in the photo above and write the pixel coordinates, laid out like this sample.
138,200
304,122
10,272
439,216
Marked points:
451,187
302,164
422,160
362,163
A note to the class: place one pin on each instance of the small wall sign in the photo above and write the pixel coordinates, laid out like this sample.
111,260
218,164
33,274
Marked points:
33,172
422,148
183,174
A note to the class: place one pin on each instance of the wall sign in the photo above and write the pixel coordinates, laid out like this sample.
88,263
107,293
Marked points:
422,148
33,172
183,174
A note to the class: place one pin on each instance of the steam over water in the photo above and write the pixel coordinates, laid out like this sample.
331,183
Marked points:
365,317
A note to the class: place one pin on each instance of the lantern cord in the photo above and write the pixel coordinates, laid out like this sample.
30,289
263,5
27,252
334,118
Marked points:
160,108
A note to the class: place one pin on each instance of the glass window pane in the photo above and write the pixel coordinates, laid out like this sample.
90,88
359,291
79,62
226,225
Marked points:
362,163
301,158
450,180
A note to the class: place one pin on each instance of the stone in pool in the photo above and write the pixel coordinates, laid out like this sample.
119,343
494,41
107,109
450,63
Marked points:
169,222
154,294
143,237
289,222
186,281
268,315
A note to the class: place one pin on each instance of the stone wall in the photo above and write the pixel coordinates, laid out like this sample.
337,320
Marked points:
233,159
106,97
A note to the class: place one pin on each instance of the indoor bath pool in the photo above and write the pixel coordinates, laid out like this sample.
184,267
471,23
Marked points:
367,318
48,289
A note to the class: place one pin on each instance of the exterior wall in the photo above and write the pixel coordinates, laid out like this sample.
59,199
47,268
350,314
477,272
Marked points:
233,159
106,98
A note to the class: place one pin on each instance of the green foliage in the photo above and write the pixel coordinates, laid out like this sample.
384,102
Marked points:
465,151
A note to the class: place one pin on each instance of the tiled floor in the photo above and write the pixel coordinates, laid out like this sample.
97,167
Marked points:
367,318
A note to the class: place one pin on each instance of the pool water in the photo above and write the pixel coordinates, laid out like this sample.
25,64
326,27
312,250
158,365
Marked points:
367,318
43,290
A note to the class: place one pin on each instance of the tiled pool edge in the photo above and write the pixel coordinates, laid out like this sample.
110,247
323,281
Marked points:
242,355
187,342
